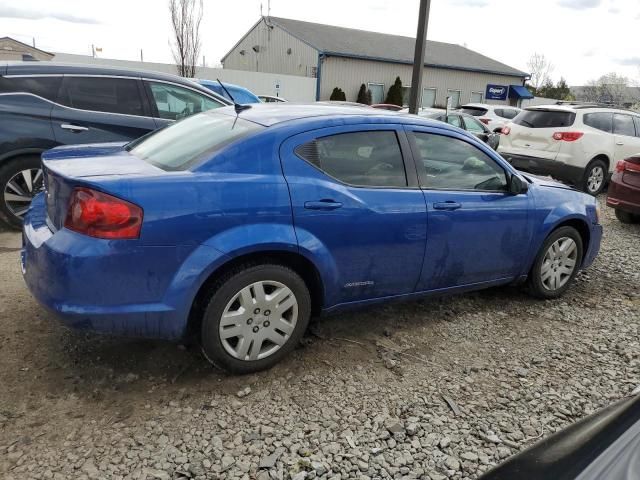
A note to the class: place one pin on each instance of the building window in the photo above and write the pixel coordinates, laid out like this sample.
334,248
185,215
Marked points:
428,97
476,97
406,95
377,92
455,97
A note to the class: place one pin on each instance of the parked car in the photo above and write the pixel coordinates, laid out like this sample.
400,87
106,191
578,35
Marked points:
279,214
387,106
493,116
240,94
602,446
624,190
575,143
468,123
270,99
44,104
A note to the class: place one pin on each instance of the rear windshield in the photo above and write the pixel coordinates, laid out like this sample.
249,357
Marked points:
544,118
475,111
184,143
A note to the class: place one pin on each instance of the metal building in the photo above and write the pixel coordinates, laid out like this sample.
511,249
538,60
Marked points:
347,58
11,49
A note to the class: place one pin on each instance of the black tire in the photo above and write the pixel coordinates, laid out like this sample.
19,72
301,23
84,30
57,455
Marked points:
225,291
7,172
626,217
586,185
535,283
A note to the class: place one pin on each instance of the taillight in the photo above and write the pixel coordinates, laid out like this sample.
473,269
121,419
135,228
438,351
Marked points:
506,130
485,120
567,136
631,164
99,215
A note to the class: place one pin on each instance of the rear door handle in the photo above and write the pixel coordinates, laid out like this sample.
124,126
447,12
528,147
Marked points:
619,143
322,205
450,205
73,128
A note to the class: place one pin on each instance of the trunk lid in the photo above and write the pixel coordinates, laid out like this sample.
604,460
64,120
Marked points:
65,168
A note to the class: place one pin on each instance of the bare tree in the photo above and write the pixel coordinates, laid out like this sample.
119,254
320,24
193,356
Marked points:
186,16
611,89
540,69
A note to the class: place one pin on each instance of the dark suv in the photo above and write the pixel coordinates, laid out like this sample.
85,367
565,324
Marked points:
43,105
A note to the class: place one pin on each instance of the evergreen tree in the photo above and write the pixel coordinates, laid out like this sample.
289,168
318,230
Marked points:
369,97
338,94
362,95
394,94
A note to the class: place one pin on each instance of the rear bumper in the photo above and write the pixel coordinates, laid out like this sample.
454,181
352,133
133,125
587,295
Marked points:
105,286
622,196
542,166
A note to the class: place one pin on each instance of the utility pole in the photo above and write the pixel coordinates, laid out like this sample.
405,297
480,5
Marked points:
93,50
141,56
418,59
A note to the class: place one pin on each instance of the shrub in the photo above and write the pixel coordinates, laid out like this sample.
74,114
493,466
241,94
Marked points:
338,94
394,94
362,95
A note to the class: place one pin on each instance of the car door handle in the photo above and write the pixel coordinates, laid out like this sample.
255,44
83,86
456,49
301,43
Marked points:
322,205
73,128
619,143
450,205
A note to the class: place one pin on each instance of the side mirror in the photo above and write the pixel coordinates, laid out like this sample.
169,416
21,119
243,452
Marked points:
497,130
517,185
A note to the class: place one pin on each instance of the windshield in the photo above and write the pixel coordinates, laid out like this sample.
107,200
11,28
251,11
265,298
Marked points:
475,111
544,118
184,143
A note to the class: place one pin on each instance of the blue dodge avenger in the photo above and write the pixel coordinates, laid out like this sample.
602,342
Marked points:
238,225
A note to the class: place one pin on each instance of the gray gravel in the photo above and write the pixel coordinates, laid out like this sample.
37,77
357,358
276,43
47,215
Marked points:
434,389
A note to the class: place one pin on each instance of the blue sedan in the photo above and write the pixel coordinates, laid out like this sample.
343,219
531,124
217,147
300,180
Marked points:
239,227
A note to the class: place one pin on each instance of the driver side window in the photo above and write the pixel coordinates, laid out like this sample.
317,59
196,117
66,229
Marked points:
174,103
452,164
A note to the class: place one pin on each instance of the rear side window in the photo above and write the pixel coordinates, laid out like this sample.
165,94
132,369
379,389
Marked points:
499,112
371,159
191,140
544,118
636,120
475,111
473,125
601,121
100,94
45,87
623,125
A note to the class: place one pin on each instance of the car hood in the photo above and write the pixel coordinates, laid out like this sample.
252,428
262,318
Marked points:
546,182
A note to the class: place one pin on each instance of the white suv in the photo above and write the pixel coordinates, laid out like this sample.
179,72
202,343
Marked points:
493,116
578,144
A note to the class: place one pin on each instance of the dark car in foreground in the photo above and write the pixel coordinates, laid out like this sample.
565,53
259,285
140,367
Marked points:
623,194
468,123
45,104
602,446
239,227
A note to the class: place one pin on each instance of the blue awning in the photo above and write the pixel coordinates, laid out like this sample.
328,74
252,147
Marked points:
519,92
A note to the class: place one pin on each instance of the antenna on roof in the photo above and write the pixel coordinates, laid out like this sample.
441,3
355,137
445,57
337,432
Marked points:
237,106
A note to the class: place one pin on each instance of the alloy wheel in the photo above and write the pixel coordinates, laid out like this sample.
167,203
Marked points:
258,320
595,179
20,190
559,263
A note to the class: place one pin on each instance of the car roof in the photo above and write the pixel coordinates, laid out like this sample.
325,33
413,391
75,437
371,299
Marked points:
214,83
55,68
268,114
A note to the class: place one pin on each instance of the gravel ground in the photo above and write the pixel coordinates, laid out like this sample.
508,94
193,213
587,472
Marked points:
432,389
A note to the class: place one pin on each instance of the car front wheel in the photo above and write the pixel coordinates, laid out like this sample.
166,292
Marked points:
556,264
595,177
255,317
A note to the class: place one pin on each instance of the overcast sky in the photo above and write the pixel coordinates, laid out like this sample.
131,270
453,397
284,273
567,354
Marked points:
583,38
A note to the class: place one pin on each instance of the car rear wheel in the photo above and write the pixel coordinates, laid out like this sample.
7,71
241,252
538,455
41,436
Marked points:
20,181
255,317
556,264
626,217
595,177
